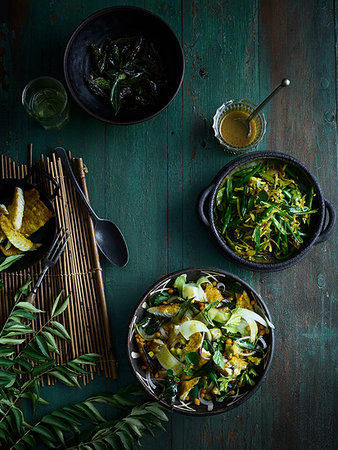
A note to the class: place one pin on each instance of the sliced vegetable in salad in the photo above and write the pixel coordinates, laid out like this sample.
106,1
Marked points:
202,342
262,213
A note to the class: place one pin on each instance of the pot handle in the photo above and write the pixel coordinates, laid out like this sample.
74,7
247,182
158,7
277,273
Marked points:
47,175
201,202
330,212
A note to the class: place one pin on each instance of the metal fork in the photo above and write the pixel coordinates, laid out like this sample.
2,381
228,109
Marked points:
50,260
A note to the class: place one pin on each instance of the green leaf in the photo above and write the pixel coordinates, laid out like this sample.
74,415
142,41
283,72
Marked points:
99,445
114,400
157,411
8,261
6,351
69,417
55,422
42,346
7,378
94,411
59,434
24,314
44,432
33,353
76,367
62,378
30,441
28,307
158,299
62,307
42,368
11,341
4,362
115,95
61,329
50,340
56,303
218,359
18,415
192,358
24,363
126,440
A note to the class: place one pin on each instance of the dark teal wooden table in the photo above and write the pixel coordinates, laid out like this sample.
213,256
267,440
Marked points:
147,178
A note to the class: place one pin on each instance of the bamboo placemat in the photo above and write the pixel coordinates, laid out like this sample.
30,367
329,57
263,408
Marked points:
78,272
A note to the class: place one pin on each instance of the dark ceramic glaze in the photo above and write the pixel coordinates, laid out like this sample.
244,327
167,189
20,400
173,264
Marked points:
322,223
116,22
46,234
191,409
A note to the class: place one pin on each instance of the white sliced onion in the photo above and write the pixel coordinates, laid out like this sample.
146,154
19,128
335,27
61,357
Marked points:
251,315
221,285
191,327
260,339
151,384
164,334
247,354
208,403
244,338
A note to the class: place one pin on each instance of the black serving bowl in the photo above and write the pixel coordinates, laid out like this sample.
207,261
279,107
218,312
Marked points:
321,225
136,362
116,22
46,234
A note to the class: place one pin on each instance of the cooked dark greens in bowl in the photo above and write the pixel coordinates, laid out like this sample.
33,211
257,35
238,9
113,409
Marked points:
266,210
201,341
123,65
128,72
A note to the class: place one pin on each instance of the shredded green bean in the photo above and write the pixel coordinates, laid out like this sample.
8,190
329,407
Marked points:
263,214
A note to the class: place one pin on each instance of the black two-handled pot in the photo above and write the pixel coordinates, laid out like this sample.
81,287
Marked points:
46,234
321,225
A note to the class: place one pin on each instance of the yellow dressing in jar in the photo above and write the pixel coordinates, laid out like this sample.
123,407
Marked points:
234,132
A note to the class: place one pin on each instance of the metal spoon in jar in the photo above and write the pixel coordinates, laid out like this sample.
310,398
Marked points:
109,238
246,122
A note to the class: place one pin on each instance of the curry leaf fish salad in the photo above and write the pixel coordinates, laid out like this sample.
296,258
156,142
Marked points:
202,342
262,213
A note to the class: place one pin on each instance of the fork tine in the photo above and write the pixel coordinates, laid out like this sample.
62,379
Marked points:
54,244
57,256
57,245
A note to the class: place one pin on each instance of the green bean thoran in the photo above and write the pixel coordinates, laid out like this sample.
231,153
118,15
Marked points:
262,213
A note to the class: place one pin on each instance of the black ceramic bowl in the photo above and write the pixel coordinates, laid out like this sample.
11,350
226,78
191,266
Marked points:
136,362
45,235
322,223
116,22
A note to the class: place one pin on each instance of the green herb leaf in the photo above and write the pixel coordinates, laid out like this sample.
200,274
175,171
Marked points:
62,307
192,358
218,359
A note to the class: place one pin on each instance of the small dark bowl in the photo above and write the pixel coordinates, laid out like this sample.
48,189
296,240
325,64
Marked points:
116,22
46,234
319,232
136,361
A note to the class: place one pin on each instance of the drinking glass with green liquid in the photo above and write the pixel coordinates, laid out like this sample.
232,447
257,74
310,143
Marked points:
45,99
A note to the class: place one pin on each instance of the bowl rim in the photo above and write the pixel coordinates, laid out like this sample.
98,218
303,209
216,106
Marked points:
235,278
82,25
235,164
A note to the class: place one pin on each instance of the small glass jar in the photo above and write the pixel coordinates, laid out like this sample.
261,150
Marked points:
245,107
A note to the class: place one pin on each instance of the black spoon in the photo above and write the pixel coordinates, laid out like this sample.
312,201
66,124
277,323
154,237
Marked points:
109,238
